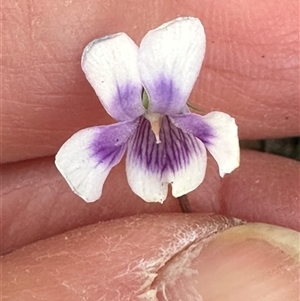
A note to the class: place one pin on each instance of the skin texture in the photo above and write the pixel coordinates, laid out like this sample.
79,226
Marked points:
181,258
250,71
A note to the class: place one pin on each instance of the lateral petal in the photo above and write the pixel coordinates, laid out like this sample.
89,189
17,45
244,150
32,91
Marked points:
170,58
86,159
179,160
110,65
219,132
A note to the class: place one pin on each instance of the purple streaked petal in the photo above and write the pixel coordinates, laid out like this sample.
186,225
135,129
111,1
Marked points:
180,159
86,159
218,131
110,65
170,58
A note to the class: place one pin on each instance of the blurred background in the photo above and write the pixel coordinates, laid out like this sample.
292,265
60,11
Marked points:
287,147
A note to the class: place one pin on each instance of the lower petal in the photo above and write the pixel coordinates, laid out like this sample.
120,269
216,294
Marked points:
219,132
179,160
86,159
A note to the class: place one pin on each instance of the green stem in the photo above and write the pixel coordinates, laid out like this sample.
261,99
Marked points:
184,204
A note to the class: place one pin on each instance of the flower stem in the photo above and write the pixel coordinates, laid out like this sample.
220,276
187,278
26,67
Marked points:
184,204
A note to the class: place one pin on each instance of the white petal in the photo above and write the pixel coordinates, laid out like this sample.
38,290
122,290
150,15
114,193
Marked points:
179,160
88,156
219,132
110,65
170,59
225,146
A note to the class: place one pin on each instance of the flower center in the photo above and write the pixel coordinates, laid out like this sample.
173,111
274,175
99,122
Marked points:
155,121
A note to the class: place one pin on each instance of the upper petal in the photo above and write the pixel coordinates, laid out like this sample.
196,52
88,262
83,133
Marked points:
170,59
219,132
179,160
110,65
88,156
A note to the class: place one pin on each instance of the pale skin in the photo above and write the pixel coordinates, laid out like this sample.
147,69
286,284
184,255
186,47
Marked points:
250,71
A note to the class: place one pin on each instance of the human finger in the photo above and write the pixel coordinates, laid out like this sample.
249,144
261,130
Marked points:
158,257
250,69
37,203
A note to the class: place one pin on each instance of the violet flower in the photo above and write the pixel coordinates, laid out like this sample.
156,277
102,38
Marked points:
146,89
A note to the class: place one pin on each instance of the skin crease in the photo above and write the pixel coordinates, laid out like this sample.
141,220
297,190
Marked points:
251,71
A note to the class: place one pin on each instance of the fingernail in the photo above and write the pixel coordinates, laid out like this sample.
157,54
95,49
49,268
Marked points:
247,262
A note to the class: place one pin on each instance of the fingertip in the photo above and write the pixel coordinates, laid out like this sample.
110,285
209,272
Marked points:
256,260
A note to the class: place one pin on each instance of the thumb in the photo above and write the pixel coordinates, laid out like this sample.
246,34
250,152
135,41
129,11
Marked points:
248,262
156,257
